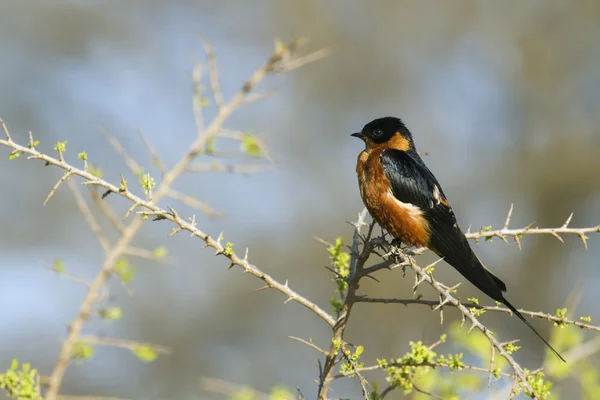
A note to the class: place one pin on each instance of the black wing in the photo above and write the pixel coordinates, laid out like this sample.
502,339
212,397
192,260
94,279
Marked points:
412,182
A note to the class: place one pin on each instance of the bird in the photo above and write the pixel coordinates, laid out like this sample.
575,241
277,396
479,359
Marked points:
405,198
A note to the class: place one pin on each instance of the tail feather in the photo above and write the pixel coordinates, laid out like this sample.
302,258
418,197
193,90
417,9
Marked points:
522,318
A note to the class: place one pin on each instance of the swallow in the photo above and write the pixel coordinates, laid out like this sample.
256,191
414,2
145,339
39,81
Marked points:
404,198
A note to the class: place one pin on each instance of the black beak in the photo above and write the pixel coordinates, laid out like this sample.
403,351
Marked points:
358,135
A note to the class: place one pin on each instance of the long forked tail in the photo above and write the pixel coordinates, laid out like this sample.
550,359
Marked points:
522,318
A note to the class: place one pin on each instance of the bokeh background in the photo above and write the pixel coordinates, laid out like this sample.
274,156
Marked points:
503,96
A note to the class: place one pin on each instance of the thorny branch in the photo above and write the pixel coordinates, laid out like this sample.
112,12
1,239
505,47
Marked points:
357,262
517,234
362,248
434,303
283,59
395,258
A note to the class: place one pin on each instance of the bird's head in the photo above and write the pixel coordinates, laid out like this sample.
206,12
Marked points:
387,132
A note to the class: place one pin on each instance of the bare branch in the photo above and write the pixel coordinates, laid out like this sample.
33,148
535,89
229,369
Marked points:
475,323
124,344
6,132
214,74
193,203
89,217
434,303
133,166
123,244
528,230
66,176
309,344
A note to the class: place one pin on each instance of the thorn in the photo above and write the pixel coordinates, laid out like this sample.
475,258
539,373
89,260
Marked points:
556,235
453,288
473,325
322,241
503,237
583,240
509,216
262,288
418,281
133,207
529,226
333,271
55,188
568,221
372,277
124,183
442,304
433,264
518,242
288,300
176,231
246,256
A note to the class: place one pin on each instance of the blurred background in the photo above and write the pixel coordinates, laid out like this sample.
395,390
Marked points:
503,96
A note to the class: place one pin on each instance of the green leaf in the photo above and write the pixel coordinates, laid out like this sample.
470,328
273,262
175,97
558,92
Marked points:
82,351
124,270
228,251
61,147
111,313
58,267
147,183
210,144
251,146
511,348
280,393
160,252
145,353
560,313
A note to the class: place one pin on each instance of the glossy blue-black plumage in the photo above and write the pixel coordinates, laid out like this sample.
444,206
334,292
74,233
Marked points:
413,183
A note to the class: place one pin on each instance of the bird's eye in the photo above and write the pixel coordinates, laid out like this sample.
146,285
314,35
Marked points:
377,132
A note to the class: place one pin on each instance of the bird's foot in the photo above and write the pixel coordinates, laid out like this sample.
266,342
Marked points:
397,254
396,243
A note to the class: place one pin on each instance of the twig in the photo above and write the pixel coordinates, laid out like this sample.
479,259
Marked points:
124,344
88,216
229,389
107,211
528,230
133,166
357,261
309,344
435,396
193,203
474,322
434,303
214,74
123,243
